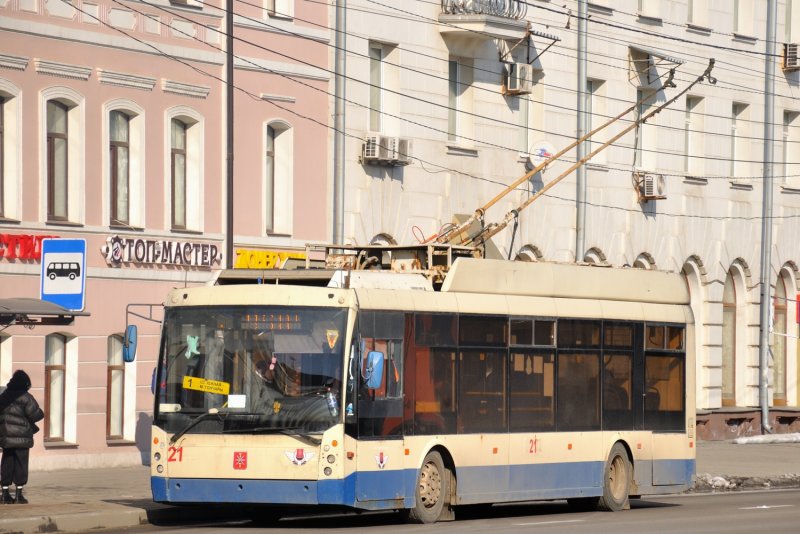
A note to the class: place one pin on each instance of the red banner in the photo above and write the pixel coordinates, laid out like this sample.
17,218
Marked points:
22,246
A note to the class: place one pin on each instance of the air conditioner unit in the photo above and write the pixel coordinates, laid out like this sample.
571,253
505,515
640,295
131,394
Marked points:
653,186
370,149
519,79
386,148
402,151
790,60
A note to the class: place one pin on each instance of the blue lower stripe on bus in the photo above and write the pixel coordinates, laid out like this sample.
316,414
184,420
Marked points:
388,489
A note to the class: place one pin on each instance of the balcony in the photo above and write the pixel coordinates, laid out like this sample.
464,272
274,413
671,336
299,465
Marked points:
480,20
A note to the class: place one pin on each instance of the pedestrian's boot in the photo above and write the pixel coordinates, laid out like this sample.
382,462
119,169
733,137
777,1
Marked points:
6,498
20,498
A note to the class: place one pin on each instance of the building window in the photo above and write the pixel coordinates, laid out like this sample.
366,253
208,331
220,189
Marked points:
649,8
792,21
283,9
54,386
178,167
698,12
779,339
729,342
115,389
595,108
119,144
459,103
791,148
740,142
375,87
452,99
279,179
57,161
743,17
693,149
2,154
645,141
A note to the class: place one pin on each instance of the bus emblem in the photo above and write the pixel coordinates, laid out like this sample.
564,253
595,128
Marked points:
381,459
240,460
299,456
333,336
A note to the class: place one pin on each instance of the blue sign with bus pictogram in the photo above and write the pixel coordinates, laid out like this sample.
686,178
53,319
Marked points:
63,279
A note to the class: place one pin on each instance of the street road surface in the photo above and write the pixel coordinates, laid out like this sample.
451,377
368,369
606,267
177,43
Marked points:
762,511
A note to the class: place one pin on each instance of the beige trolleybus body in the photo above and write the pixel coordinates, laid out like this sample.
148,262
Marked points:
514,381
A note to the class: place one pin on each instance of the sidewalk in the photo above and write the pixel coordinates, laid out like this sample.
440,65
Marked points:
83,500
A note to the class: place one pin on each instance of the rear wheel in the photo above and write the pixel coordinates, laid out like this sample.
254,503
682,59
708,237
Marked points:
617,481
432,490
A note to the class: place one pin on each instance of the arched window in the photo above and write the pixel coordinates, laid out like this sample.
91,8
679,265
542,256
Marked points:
124,136
10,151
779,352
184,166
729,342
63,154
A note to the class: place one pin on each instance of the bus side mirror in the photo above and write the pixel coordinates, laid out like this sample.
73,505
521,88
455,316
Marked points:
374,371
129,344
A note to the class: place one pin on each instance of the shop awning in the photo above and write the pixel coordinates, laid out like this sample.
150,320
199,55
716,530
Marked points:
32,312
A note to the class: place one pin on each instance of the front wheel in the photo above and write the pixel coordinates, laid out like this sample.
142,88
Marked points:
432,490
617,481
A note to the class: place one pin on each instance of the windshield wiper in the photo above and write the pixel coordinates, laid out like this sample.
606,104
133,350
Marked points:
192,423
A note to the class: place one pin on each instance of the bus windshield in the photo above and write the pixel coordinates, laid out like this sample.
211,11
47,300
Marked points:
250,369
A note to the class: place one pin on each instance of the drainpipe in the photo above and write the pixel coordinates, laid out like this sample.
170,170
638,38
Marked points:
766,219
339,122
229,134
580,193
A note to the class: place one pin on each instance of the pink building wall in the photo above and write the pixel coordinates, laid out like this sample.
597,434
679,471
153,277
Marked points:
36,34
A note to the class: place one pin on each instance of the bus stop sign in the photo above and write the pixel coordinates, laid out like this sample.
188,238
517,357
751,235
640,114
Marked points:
63,279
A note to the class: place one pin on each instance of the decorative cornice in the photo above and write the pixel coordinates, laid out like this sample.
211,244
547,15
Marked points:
62,69
178,88
278,98
122,79
13,62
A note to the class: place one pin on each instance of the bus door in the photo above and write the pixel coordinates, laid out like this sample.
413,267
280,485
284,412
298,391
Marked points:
379,411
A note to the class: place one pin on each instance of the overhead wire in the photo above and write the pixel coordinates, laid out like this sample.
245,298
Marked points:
320,123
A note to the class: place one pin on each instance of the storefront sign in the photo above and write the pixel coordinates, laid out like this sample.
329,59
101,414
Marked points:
150,251
22,246
264,259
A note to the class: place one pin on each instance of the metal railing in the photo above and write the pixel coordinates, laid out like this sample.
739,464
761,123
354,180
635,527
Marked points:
513,9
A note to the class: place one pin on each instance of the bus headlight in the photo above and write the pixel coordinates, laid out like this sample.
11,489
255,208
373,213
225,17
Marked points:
157,456
331,458
327,471
160,468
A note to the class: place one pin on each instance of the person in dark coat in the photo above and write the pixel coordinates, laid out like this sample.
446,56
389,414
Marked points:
19,413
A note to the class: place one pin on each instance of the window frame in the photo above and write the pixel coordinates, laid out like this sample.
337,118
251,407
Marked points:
51,140
115,146
174,153
48,396
114,352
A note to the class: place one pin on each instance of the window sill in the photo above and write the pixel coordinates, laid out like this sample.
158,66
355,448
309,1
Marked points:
741,38
455,150
119,226
650,19
186,231
696,28
741,186
695,180
119,442
59,445
64,223
789,190
5,220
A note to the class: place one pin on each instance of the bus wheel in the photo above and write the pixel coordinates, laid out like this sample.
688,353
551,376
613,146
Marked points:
617,481
432,490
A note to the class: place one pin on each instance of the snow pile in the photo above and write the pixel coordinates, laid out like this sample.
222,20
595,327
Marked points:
769,438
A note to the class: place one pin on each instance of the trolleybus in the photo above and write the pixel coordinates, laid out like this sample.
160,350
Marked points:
500,382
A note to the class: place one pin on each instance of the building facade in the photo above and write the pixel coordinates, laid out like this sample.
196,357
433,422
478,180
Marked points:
479,93
113,123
